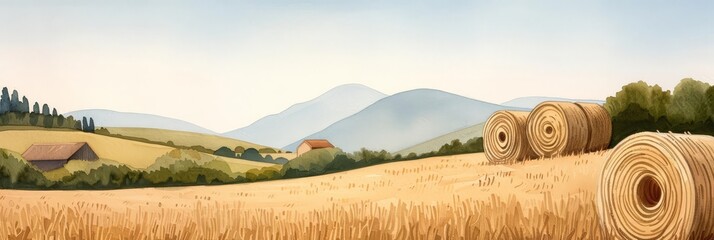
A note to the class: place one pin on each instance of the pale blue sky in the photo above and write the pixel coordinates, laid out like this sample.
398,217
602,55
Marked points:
224,64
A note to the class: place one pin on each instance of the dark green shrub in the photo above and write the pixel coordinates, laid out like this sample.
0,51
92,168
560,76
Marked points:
17,173
251,154
262,174
225,152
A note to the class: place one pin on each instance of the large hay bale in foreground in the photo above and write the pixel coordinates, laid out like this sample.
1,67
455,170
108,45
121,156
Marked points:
557,128
659,186
599,126
504,137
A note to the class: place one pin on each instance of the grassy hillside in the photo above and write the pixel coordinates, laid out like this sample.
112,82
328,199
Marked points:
134,154
182,138
10,128
434,144
110,149
241,166
230,166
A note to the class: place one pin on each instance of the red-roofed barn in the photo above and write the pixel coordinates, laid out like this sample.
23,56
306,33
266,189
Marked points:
311,144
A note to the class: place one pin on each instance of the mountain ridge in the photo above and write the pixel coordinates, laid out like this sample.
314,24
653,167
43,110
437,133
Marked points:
111,118
405,119
308,117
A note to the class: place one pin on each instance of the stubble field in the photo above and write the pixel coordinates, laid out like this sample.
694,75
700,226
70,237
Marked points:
454,197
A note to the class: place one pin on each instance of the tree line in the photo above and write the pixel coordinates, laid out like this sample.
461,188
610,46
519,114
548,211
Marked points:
250,154
16,111
642,107
16,173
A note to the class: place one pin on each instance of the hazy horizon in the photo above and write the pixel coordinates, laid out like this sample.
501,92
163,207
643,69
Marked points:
297,103
225,65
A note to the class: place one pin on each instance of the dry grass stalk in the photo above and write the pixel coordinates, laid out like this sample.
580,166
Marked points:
569,218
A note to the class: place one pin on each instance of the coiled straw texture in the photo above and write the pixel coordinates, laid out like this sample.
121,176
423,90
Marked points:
505,137
599,126
659,186
557,128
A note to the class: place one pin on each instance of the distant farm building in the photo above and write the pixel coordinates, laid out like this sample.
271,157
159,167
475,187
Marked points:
312,144
55,155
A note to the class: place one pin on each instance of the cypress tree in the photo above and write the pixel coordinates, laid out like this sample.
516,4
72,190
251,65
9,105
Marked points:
14,102
25,105
45,109
36,108
54,112
4,101
85,126
91,124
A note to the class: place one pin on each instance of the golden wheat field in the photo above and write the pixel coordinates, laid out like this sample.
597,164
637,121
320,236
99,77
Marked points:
454,197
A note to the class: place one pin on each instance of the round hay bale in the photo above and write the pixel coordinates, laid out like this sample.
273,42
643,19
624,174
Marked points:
599,126
557,128
659,186
504,137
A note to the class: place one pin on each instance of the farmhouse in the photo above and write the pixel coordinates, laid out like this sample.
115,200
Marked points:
48,156
311,144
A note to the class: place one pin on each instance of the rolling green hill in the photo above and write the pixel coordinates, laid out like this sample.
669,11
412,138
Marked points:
434,144
181,138
132,153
